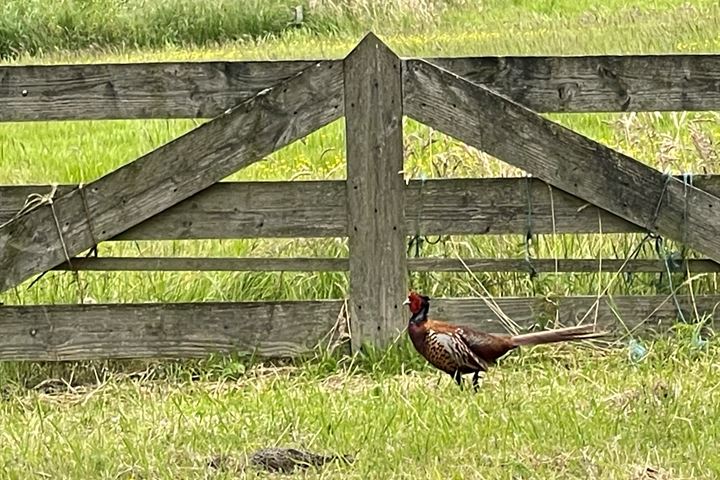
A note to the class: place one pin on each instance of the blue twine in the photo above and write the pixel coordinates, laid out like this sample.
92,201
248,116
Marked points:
697,341
636,351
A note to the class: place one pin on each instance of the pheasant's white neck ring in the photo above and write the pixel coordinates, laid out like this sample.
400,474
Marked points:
421,315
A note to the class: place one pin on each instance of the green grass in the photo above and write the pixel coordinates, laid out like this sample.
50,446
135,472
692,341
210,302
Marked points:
546,413
40,29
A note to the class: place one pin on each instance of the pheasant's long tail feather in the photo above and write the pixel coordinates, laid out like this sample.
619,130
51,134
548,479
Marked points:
582,332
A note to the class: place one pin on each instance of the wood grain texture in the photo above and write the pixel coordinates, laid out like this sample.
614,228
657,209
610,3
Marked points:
135,90
374,145
217,264
646,315
492,206
180,330
498,206
230,210
563,158
283,329
598,83
427,264
206,89
171,173
563,265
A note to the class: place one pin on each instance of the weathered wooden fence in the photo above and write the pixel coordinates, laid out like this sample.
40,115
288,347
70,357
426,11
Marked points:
492,103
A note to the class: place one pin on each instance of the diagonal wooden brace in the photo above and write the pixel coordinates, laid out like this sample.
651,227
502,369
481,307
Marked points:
278,116
561,157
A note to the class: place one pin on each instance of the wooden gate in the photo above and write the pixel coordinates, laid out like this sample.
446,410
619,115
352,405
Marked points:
492,104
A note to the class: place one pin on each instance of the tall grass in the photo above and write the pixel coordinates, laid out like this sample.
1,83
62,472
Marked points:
38,26
45,29
555,413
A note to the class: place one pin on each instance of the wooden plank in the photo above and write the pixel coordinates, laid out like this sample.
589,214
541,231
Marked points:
217,264
231,210
170,174
374,147
644,315
563,158
562,265
598,83
492,206
499,206
206,89
281,329
427,264
135,90
87,332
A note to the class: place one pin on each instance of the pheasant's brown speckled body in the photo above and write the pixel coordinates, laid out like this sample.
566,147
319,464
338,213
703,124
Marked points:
459,350
450,349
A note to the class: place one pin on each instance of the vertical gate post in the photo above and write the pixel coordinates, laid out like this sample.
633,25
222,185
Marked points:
375,188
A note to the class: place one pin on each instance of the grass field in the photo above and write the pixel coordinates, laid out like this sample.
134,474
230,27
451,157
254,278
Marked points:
547,413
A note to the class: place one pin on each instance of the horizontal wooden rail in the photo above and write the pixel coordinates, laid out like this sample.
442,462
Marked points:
492,206
232,264
598,83
285,329
170,330
216,264
618,314
135,90
563,265
206,89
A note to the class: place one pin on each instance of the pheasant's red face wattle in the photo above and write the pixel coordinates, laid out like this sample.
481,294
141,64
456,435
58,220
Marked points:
415,302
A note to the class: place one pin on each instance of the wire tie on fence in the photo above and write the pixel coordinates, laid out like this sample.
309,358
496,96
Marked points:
651,224
94,250
678,262
49,200
633,255
528,228
32,201
687,181
668,257
673,260
417,239
60,234
430,242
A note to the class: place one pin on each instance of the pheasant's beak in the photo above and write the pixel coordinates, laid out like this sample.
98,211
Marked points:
406,302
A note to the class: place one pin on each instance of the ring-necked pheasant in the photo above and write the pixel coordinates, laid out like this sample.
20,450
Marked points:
460,350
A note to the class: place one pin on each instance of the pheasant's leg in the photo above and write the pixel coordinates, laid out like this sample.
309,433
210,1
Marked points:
475,379
458,378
